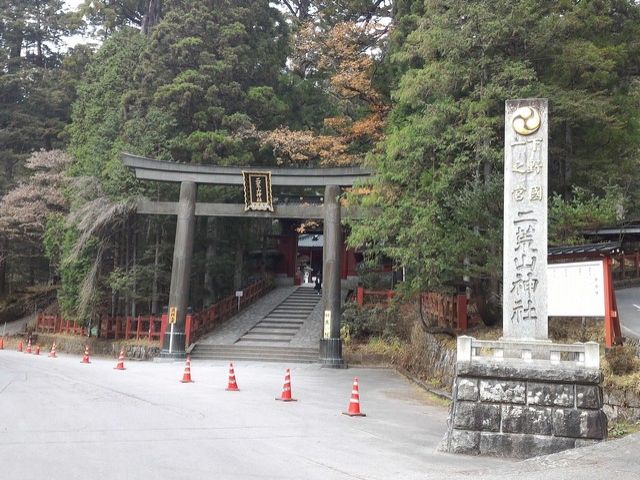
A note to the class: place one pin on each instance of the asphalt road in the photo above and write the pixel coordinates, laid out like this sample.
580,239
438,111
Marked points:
60,419
628,300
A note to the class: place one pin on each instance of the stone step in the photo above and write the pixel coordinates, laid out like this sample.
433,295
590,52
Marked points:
280,318
268,336
271,331
264,349
276,328
257,358
286,323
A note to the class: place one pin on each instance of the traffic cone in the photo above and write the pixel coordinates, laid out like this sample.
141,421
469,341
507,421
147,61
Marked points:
20,346
52,353
37,352
233,386
120,365
28,350
354,403
286,389
186,377
85,358
1,343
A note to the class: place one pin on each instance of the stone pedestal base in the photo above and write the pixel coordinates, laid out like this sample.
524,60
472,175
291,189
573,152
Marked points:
331,353
177,350
523,411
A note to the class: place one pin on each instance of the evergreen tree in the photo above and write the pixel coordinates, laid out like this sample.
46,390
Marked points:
438,189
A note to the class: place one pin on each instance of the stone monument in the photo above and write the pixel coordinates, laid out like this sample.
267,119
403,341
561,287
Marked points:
524,396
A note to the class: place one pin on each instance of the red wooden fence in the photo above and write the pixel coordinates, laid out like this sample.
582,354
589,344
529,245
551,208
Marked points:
151,327
446,310
443,310
626,267
373,297
202,322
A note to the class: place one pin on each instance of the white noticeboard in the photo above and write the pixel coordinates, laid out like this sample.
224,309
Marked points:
575,289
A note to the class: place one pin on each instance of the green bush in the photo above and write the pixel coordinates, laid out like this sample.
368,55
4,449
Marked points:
622,360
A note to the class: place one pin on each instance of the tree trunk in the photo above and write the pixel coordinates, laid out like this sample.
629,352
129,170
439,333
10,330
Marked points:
152,17
238,266
134,247
156,262
567,170
210,255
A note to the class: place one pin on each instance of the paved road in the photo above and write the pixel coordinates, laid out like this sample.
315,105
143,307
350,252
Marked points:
628,300
60,419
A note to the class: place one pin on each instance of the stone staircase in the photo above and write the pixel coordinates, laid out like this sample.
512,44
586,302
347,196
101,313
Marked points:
269,339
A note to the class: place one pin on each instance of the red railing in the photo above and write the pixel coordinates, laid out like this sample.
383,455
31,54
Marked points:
129,328
626,267
57,324
152,327
202,322
373,297
445,310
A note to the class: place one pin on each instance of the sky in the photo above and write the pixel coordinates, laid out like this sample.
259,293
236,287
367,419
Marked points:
74,40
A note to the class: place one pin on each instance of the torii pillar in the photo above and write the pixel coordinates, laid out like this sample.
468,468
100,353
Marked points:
181,270
330,344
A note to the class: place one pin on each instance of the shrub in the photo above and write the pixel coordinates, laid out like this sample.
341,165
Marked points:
622,360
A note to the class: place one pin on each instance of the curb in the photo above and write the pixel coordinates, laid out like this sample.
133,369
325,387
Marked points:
435,391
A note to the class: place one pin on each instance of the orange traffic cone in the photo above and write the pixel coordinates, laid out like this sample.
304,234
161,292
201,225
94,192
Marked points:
20,346
37,352
186,377
286,389
85,358
354,403
233,386
120,365
1,343
28,350
52,353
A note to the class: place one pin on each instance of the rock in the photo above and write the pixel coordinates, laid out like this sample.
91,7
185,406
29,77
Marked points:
521,446
525,419
552,394
588,396
464,442
467,389
579,423
476,416
502,391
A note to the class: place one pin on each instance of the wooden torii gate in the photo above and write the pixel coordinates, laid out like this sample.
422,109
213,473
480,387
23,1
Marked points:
186,209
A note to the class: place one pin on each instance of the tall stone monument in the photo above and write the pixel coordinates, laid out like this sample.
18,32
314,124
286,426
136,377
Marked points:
524,296
524,396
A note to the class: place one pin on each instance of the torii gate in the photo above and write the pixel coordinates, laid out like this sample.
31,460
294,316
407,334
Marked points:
186,209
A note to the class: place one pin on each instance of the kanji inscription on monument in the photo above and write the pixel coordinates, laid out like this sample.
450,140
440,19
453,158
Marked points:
524,300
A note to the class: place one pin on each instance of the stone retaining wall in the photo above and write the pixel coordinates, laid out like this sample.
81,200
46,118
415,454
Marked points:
75,345
621,405
524,412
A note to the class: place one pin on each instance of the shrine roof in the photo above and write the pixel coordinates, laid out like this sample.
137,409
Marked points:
588,249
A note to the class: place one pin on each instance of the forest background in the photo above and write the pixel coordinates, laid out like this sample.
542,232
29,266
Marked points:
414,90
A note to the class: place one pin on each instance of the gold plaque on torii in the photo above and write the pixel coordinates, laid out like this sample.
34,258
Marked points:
257,191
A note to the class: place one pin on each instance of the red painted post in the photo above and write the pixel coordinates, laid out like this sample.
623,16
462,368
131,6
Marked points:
462,312
608,325
164,319
127,328
139,327
187,328
360,296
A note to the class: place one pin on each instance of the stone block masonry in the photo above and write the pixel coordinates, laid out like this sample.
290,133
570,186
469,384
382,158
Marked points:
521,410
